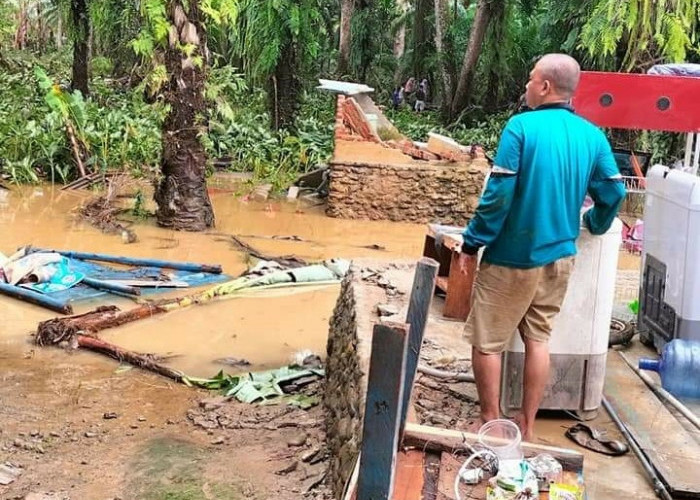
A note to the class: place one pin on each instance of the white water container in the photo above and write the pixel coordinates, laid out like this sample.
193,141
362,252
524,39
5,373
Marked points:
579,342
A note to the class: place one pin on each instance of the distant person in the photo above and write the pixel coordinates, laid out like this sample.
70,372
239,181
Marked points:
396,98
424,85
420,100
528,221
410,86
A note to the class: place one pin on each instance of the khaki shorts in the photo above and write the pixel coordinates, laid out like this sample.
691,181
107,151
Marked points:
506,299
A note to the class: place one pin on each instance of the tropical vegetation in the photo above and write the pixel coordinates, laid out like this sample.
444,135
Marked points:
169,89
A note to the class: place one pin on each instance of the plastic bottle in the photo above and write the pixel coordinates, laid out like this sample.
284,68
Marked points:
679,368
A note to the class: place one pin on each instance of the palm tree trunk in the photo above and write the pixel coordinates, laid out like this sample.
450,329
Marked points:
181,195
22,24
81,60
421,38
484,12
444,48
347,8
284,89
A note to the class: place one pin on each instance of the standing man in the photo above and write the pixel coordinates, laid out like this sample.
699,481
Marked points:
528,221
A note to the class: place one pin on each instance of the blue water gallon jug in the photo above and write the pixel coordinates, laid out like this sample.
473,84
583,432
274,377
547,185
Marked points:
679,368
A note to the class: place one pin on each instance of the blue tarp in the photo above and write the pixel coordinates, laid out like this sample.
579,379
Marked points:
101,271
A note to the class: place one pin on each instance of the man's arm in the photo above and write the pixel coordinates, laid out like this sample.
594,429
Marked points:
607,191
497,199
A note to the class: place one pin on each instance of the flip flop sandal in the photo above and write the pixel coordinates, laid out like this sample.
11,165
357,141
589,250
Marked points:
595,440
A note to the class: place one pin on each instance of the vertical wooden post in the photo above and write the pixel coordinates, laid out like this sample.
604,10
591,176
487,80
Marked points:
417,316
459,288
380,432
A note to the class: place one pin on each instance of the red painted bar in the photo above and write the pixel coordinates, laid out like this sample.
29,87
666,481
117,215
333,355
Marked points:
639,101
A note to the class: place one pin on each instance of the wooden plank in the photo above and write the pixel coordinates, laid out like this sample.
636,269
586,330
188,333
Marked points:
459,293
382,417
408,484
431,475
151,283
433,438
671,449
449,466
416,317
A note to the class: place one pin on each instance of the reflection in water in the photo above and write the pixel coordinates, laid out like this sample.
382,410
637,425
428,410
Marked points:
266,330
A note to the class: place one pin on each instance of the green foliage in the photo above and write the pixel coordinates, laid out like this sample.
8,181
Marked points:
119,129
484,132
266,26
275,157
649,28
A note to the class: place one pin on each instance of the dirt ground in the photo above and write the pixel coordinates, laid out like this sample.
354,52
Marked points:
81,430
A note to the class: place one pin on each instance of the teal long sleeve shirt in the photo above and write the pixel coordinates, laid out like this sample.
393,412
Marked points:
547,161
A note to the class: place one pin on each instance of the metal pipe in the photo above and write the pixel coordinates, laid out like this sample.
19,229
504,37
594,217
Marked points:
455,376
656,483
663,393
183,266
36,298
688,149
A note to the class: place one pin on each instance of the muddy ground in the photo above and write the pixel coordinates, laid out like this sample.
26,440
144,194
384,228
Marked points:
81,430
79,426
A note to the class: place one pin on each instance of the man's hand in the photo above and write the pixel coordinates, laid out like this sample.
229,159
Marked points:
467,263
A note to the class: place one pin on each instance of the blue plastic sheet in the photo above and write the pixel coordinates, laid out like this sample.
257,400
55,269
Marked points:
104,272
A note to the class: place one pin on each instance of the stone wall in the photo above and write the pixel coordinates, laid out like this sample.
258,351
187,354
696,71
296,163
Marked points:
347,366
428,192
343,397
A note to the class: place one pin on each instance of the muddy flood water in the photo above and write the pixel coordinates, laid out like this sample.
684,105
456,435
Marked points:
78,426
266,329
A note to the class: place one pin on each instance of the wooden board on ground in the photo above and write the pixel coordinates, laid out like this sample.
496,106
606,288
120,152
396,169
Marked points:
436,439
671,449
408,482
151,283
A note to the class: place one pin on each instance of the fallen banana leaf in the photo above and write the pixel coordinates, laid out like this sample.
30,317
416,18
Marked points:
256,386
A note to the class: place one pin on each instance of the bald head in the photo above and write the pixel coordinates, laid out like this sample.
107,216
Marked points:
553,79
562,70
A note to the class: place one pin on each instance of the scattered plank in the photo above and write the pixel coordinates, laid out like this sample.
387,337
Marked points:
382,416
449,466
673,451
431,476
150,283
409,480
417,317
436,439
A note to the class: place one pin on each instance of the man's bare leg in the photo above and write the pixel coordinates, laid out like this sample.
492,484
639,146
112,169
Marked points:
487,372
535,380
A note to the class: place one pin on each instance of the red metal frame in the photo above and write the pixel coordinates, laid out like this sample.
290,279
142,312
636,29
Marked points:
631,101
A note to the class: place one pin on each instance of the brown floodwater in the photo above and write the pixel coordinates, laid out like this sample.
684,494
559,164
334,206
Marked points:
266,329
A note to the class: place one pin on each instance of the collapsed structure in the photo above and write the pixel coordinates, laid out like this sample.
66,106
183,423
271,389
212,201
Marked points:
377,173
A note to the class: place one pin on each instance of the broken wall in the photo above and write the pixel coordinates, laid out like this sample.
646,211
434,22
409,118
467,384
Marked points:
347,368
378,174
